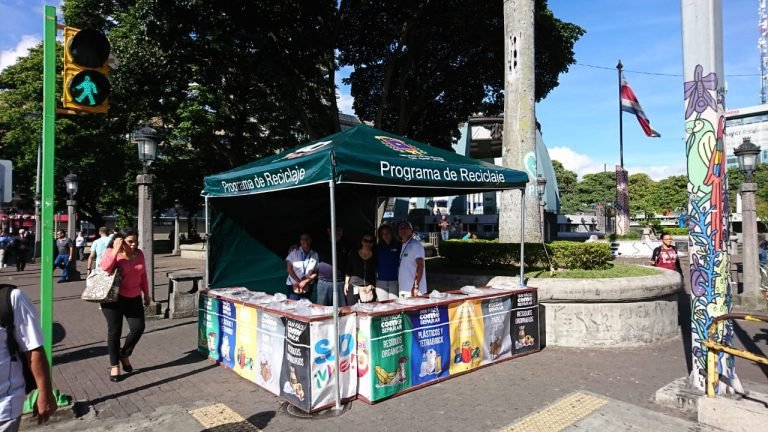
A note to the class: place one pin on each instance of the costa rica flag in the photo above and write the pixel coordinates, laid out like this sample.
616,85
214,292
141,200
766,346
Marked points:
630,104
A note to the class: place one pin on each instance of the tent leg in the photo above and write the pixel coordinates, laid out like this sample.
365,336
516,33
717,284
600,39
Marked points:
207,243
332,191
522,238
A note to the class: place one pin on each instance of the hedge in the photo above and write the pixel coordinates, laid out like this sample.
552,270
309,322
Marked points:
632,235
489,253
676,231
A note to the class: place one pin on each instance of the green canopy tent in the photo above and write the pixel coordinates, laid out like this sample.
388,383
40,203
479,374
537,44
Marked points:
256,211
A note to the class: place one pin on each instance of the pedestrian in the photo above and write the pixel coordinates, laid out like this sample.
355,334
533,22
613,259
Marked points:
666,256
325,277
301,265
126,256
23,343
4,240
445,227
387,263
80,245
98,247
361,273
21,248
412,277
65,253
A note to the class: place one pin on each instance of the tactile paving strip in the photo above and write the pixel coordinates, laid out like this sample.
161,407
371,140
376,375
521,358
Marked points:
222,418
559,415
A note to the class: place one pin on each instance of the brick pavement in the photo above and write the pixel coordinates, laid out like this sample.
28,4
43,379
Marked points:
173,374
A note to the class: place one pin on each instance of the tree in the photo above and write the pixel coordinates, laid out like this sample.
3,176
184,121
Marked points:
670,194
566,183
641,192
423,67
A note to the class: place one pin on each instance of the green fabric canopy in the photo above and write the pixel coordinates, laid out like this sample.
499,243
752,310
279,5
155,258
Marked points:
368,157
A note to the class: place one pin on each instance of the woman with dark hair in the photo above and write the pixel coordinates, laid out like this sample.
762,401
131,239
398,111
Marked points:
124,254
387,263
361,273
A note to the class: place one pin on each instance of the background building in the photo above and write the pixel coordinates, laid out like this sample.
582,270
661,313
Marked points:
749,122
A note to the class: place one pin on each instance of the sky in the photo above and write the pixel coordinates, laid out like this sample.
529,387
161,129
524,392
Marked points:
579,118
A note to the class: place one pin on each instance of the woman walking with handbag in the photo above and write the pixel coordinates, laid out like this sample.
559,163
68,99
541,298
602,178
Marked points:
361,273
126,256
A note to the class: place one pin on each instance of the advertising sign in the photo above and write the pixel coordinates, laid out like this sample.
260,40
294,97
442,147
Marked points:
525,329
390,354
430,344
497,316
295,378
324,361
208,327
270,337
466,330
228,331
245,348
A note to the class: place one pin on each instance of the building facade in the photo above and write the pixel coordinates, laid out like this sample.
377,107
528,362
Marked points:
740,123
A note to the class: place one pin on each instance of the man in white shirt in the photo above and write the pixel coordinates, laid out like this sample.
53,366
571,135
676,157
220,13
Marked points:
28,337
412,276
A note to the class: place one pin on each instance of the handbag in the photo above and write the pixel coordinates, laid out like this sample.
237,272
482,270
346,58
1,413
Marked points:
366,293
101,287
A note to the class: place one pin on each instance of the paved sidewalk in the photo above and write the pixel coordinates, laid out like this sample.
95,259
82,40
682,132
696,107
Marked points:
175,379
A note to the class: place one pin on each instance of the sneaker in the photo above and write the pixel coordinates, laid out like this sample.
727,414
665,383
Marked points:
63,280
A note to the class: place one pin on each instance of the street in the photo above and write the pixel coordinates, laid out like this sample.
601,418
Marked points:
174,379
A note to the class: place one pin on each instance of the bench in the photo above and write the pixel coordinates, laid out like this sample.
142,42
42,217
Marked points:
183,304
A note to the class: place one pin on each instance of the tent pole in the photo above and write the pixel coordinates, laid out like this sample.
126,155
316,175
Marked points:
207,243
332,191
522,238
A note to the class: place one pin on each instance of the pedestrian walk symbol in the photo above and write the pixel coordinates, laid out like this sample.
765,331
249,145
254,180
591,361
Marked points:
89,88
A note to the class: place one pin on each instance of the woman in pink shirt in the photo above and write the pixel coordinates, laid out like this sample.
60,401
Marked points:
125,255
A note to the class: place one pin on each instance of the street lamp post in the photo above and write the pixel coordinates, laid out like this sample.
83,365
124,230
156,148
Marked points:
71,182
176,248
747,155
36,249
541,185
146,142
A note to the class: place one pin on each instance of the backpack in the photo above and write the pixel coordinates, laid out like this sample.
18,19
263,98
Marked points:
6,320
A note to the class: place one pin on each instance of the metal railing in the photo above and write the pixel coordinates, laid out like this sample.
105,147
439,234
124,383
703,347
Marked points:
714,347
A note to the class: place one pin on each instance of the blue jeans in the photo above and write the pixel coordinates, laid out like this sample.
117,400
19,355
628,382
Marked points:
62,262
325,293
293,296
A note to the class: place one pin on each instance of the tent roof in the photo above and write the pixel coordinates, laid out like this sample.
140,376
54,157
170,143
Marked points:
368,158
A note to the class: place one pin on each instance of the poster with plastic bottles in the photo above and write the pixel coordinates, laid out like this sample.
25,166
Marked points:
466,329
324,361
430,344
245,349
228,329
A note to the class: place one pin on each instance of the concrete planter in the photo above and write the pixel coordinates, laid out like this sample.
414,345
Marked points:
193,251
615,312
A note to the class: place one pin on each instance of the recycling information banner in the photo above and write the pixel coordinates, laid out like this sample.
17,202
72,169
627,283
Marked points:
497,316
296,373
270,338
324,361
246,353
467,335
228,332
208,327
430,344
390,350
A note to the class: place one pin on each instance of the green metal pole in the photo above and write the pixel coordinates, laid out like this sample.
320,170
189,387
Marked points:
49,125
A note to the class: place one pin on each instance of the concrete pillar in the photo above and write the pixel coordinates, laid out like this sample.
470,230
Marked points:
176,246
707,186
146,228
752,296
71,219
519,138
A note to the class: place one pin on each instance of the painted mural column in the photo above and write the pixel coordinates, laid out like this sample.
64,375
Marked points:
519,138
622,200
707,186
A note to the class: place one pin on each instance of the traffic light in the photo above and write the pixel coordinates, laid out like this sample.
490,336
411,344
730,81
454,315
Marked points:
86,71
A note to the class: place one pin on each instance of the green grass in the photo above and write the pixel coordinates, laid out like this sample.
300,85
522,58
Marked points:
441,265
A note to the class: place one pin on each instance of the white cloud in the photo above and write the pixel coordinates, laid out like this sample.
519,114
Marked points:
9,57
344,102
582,164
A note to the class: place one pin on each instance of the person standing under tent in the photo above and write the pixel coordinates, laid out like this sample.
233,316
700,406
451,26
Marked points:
412,276
301,265
387,263
325,269
361,273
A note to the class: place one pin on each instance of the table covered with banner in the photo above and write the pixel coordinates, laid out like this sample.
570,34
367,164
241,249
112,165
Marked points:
385,349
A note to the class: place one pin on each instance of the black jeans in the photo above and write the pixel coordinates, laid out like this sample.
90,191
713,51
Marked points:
133,311
21,259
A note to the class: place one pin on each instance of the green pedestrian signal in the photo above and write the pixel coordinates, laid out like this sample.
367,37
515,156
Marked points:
86,71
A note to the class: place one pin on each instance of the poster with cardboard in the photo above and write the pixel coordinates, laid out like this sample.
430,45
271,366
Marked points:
208,327
430,344
466,329
228,326
324,361
390,354
246,347
525,330
366,376
295,376
497,318
270,338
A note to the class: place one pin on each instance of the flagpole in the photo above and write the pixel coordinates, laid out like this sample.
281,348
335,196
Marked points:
621,120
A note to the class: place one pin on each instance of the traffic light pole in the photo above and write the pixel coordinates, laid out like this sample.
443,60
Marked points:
49,124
